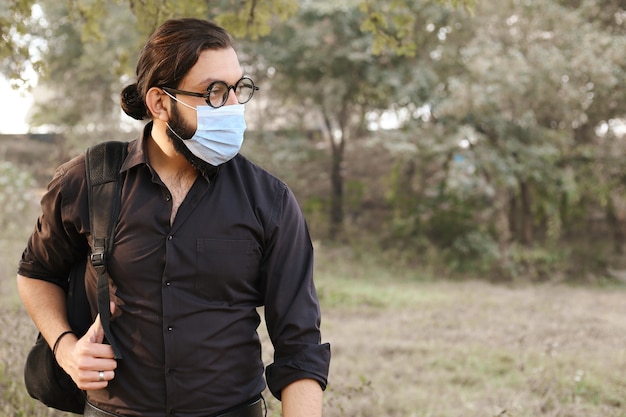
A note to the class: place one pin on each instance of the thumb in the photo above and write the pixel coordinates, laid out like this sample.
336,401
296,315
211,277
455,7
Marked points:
96,332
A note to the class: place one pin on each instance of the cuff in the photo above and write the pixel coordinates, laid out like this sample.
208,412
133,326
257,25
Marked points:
313,363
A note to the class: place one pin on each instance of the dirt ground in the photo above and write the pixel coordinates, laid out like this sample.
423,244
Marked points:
474,349
443,349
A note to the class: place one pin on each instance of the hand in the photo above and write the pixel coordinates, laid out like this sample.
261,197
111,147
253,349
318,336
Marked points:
88,357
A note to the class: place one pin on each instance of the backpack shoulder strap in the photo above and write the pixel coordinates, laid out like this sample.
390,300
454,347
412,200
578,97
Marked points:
103,162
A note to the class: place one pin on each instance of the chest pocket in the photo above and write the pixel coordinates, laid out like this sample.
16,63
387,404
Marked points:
227,270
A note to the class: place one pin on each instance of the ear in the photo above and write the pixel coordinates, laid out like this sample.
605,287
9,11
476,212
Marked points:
158,104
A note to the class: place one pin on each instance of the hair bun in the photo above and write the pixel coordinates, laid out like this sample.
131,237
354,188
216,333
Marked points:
132,103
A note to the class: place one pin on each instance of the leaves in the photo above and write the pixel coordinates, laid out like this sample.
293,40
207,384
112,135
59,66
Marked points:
15,51
255,18
395,25
505,112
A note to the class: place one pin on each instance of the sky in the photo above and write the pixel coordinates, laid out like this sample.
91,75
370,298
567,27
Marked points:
14,107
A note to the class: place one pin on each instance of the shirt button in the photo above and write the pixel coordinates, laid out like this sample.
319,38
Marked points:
170,328
168,283
168,197
170,237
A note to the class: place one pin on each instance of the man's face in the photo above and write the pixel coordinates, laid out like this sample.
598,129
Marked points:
212,65
183,129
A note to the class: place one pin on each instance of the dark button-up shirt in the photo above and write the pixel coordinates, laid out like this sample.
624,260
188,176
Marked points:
188,292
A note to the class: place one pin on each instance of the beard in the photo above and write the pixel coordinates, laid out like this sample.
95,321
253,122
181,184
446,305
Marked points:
178,131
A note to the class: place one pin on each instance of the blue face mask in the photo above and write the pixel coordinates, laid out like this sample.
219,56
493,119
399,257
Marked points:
219,134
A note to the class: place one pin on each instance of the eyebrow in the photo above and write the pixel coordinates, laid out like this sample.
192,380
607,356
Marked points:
207,82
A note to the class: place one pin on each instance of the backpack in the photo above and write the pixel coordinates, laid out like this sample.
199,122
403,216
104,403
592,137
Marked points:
45,380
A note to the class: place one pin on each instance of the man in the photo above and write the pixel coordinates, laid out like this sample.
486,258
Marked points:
204,237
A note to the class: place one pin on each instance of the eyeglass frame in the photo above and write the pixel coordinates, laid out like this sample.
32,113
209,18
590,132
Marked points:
206,95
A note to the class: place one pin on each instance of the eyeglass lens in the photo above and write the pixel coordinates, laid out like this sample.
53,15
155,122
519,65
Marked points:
219,90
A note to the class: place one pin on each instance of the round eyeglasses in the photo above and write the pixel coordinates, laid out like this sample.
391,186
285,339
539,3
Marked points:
216,94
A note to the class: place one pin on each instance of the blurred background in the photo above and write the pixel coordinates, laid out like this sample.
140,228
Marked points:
471,137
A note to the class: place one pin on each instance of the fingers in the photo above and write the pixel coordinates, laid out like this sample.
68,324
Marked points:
94,370
94,360
93,380
96,332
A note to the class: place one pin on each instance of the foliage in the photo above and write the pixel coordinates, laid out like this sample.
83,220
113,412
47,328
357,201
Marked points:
14,200
396,23
15,39
256,18
507,147
334,83
246,18
512,131
17,199
78,94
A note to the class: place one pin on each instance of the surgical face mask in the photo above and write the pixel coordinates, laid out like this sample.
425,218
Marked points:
219,133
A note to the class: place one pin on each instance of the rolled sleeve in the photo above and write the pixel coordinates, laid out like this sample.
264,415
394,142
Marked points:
58,239
313,362
291,305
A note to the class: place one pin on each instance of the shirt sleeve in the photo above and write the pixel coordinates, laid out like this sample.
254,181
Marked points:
58,239
292,311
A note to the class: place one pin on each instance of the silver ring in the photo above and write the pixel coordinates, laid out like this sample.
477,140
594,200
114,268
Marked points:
100,376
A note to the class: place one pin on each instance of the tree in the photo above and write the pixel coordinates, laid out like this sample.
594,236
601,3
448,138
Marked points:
78,94
245,19
323,67
525,100
15,53
93,58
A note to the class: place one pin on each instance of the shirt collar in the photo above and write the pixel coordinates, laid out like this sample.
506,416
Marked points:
137,153
136,150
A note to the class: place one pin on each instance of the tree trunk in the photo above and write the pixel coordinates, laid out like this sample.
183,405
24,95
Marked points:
526,214
336,200
336,178
616,218
502,226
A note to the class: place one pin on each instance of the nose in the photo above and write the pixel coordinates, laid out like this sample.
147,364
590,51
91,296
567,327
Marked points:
232,97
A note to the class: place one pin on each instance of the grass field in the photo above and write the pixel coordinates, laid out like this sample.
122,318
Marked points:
410,345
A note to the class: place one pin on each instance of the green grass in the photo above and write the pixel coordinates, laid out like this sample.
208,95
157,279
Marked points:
406,344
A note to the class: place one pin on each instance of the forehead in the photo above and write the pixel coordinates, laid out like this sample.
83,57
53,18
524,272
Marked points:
213,65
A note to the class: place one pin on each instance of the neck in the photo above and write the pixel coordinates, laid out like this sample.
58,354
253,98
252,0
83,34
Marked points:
163,157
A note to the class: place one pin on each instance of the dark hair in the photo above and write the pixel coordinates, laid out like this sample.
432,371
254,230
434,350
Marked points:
167,57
